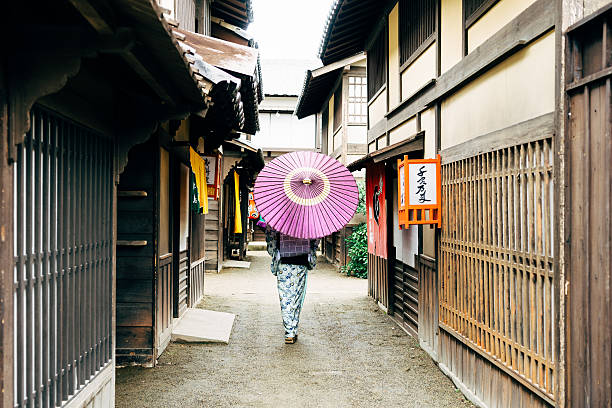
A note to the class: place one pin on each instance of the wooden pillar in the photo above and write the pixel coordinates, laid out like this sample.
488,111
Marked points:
6,254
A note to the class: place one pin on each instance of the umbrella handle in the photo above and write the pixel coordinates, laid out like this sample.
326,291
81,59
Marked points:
307,181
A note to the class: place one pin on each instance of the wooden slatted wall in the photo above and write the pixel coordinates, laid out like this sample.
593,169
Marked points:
63,260
405,295
428,303
378,279
211,238
588,223
496,260
183,282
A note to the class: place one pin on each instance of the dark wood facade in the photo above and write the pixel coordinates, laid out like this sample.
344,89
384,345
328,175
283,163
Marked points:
137,279
588,240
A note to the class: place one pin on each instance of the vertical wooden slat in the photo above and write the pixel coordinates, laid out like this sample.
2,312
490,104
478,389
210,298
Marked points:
53,261
19,277
37,258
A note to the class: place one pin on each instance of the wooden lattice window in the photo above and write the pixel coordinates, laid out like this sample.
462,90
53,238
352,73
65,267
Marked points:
474,9
496,260
357,100
338,107
417,25
377,64
325,147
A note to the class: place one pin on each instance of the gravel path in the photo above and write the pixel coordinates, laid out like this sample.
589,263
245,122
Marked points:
350,354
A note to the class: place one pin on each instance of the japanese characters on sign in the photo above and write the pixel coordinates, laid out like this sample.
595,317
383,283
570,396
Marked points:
213,163
419,183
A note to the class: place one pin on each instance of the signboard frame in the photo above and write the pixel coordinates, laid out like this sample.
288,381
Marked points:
214,189
417,214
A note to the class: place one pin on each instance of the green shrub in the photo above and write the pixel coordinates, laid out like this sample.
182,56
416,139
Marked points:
361,206
357,244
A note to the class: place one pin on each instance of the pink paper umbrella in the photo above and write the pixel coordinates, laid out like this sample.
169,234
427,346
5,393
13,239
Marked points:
306,195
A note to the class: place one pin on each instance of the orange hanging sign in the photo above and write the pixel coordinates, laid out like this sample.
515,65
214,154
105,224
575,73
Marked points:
419,192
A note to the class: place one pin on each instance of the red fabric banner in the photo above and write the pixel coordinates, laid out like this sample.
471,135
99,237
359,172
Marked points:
377,211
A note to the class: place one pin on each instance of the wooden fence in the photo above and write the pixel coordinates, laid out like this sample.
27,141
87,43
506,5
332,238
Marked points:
496,260
378,278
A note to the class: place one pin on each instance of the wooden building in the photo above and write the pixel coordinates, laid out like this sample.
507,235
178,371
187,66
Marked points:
162,254
82,83
336,94
515,97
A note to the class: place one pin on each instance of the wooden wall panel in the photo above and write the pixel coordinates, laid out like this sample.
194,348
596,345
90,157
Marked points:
588,223
136,221
378,279
196,283
480,380
428,304
404,296
212,234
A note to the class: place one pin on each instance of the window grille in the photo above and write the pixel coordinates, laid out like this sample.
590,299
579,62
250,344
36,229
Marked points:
377,63
417,25
474,9
357,100
338,107
63,260
496,259
324,131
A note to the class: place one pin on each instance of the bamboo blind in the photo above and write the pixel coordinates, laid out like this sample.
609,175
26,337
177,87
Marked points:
496,252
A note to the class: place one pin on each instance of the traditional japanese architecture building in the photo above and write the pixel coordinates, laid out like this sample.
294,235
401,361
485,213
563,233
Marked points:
514,97
336,95
162,248
109,112
82,84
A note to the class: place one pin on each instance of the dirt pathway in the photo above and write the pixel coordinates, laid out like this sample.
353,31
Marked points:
349,354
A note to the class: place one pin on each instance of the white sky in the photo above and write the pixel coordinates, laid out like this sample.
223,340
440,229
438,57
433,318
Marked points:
289,28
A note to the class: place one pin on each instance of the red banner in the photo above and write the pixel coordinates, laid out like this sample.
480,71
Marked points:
377,211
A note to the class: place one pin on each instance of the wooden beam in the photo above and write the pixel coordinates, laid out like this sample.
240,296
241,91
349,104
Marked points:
71,41
147,75
6,251
530,130
377,130
93,16
339,64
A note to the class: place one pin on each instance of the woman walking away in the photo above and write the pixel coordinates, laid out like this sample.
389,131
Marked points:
291,260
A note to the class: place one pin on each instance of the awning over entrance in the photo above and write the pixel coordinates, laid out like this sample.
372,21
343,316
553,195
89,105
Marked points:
394,151
237,60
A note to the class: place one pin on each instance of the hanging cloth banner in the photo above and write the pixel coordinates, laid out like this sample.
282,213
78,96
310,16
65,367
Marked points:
253,213
377,210
195,199
198,168
237,214
213,179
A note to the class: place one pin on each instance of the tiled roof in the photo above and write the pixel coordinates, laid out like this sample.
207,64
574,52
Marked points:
348,25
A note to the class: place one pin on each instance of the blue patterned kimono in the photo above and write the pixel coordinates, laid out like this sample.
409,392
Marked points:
291,282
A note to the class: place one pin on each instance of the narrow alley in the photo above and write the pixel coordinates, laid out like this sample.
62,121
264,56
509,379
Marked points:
349,354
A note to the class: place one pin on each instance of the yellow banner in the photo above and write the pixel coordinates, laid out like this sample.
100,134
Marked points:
237,215
198,167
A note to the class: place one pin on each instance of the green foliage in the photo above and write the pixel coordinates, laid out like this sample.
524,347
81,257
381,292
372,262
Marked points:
361,206
357,244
